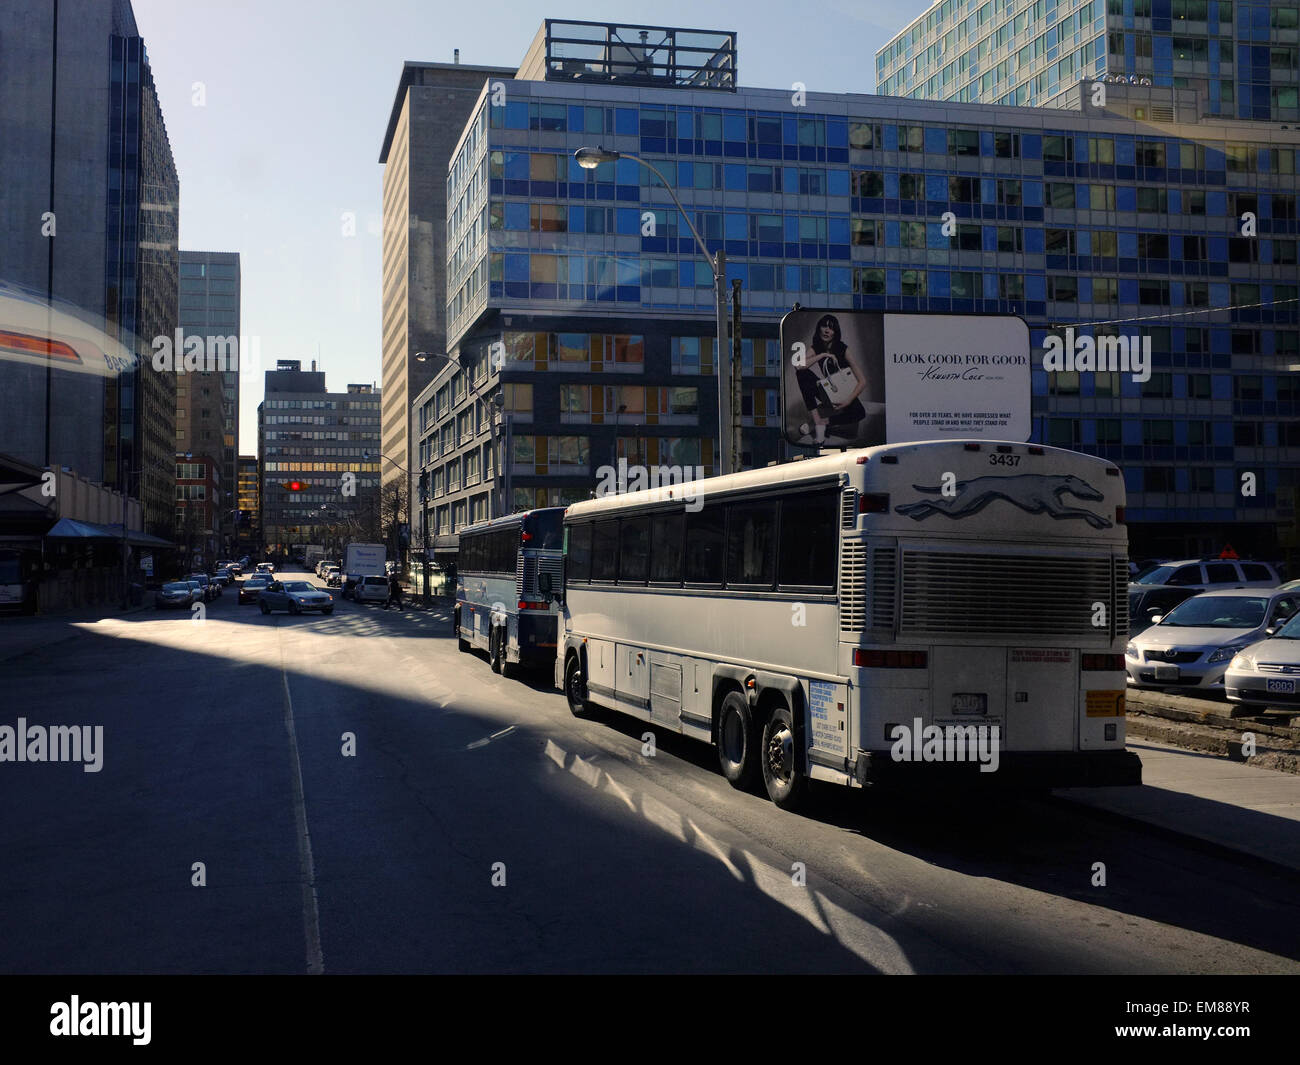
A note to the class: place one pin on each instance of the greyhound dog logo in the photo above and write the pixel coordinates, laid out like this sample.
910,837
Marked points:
1036,493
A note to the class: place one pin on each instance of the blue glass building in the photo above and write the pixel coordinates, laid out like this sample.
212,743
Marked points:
1085,218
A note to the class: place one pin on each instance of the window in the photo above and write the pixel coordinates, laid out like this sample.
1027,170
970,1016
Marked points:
666,552
704,534
634,550
604,551
809,540
751,544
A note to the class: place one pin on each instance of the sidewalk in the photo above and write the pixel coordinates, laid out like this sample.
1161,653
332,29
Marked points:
22,635
1254,811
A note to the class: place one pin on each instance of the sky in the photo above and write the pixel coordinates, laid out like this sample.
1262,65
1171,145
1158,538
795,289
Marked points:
276,111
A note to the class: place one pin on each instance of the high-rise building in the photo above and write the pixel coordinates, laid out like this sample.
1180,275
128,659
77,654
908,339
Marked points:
248,531
1108,220
207,401
1241,56
319,453
433,101
90,219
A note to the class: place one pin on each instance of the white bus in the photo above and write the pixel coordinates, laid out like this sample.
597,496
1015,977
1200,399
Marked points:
507,571
865,618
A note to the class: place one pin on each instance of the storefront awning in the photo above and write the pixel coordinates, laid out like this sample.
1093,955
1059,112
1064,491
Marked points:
68,529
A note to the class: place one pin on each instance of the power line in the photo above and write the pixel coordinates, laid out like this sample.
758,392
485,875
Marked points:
1181,314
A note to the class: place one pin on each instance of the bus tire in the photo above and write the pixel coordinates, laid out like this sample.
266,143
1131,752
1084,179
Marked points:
497,652
575,687
462,644
786,786
737,741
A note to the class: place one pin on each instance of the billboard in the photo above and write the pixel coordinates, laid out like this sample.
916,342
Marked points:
862,378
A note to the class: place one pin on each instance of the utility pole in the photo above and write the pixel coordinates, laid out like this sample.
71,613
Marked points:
735,441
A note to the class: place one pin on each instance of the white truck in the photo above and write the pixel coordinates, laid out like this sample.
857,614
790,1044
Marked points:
362,560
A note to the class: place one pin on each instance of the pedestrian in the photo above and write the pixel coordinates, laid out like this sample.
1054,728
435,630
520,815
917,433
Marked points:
394,592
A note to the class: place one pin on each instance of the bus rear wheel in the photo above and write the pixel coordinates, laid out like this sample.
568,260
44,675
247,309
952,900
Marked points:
786,786
497,653
736,741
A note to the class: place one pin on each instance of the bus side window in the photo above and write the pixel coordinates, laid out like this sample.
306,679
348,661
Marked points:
579,565
666,548
634,550
809,539
604,551
751,545
704,546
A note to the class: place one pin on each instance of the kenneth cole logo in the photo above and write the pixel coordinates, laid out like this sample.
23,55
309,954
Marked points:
102,1018
1098,355
57,743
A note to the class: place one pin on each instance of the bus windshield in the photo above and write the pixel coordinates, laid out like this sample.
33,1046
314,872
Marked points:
545,529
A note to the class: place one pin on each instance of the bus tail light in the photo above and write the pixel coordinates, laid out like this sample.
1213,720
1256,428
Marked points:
524,604
873,503
881,659
1107,662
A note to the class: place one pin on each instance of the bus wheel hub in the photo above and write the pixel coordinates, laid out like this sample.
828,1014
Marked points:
780,747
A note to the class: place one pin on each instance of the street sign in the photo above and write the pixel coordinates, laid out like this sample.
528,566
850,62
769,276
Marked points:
861,378
146,564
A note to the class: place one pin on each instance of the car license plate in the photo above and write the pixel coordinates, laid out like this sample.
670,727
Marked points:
1167,673
970,703
1285,687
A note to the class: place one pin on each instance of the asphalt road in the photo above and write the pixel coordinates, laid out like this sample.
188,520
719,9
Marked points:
479,827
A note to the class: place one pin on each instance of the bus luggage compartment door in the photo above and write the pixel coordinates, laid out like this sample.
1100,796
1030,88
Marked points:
1042,689
632,676
665,689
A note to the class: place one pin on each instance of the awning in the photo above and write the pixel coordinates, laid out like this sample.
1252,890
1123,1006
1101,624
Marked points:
15,475
68,529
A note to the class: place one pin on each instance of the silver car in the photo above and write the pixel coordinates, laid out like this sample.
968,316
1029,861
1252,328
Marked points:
1192,645
1265,673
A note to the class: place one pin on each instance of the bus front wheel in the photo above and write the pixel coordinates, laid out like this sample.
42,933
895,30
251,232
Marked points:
786,786
736,741
575,688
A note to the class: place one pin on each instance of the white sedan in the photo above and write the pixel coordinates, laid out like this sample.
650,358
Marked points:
1191,646
1265,674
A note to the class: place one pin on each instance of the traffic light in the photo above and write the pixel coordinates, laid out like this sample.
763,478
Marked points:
292,486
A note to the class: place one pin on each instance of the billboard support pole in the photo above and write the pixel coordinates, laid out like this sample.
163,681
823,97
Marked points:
724,364
735,439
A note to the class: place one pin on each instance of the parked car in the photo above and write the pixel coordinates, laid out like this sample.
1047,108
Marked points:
198,594
295,597
1265,673
1211,573
174,594
210,590
372,589
1147,602
1192,645
251,589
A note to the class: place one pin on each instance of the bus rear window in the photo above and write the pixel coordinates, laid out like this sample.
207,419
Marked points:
545,529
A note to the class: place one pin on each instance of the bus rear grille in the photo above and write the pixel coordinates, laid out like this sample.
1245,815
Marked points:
884,586
1121,597
531,568
853,586
960,592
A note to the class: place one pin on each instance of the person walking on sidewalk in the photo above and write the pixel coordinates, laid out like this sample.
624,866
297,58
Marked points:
394,592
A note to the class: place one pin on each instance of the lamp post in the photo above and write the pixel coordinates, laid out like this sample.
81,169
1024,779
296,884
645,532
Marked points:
589,159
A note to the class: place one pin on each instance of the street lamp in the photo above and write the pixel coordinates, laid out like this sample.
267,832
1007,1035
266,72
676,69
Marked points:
589,159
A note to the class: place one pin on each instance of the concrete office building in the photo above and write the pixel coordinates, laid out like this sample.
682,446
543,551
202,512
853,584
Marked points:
433,101
207,402
89,214
1242,56
1072,215
318,440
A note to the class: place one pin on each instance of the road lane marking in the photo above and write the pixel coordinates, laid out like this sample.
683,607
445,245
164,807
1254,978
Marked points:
306,866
